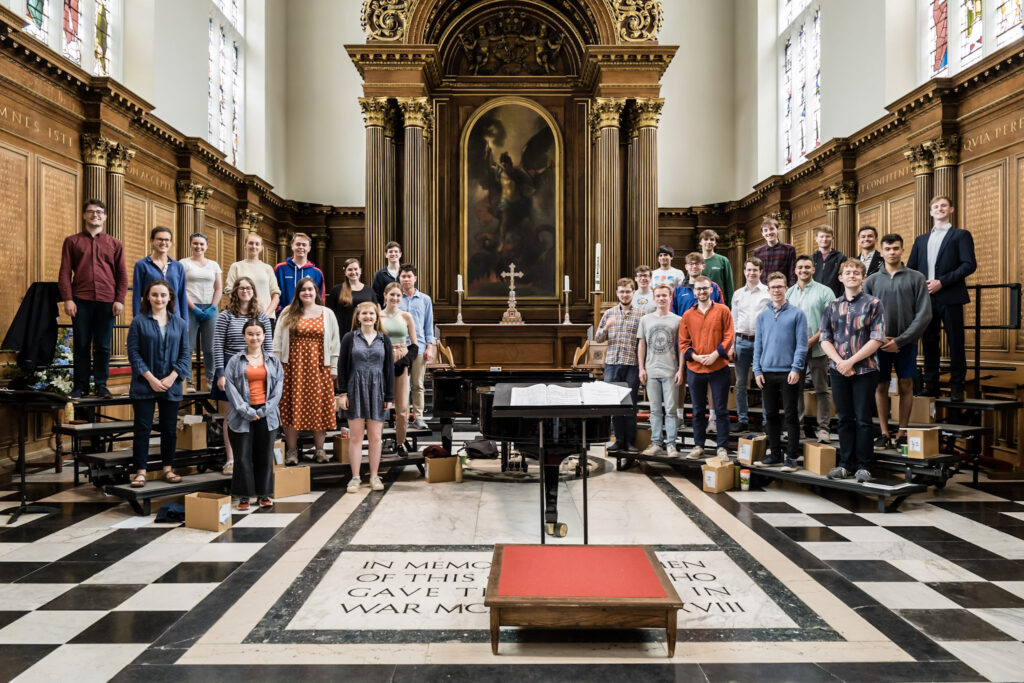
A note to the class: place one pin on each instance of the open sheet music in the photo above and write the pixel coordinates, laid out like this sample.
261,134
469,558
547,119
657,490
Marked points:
590,394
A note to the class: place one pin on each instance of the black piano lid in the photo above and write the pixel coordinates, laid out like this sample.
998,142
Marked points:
503,397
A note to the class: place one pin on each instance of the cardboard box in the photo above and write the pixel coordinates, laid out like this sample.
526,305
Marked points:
643,438
719,475
819,458
923,411
279,449
811,404
752,450
291,481
440,469
922,443
191,433
341,449
210,511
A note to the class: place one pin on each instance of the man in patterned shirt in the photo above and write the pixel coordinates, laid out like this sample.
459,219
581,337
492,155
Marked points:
618,326
776,255
852,329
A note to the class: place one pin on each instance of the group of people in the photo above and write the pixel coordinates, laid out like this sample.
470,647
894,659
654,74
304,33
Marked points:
278,355
848,323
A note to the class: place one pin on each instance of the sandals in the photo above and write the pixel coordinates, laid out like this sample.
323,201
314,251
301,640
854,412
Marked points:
170,477
138,481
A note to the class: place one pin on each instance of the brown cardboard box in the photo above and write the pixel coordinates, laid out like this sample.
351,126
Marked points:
811,404
191,433
440,469
643,438
341,449
922,443
751,450
819,458
291,481
923,411
718,474
210,511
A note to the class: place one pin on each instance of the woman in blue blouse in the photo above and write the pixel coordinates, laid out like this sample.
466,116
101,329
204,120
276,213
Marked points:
159,265
159,354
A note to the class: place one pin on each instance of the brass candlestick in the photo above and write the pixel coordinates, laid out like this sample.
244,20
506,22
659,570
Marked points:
566,293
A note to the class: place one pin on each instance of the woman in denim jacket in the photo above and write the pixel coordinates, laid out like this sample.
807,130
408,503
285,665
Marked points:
161,360
253,381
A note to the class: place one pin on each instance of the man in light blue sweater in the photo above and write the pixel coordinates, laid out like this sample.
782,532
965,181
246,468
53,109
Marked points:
780,351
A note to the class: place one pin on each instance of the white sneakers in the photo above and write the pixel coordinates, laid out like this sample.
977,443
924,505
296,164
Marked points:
654,449
696,453
671,451
353,485
376,484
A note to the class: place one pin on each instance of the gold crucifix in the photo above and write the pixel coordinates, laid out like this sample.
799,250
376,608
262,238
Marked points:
511,316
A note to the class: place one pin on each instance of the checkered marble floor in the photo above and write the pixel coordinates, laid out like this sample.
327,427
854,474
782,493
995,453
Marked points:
96,593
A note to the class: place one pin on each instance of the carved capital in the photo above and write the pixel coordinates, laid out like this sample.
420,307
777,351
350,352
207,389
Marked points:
847,192
249,220
95,150
945,150
648,109
386,20
637,20
830,197
920,160
119,157
416,110
375,110
319,240
607,112
283,240
186,191
784,217
201,197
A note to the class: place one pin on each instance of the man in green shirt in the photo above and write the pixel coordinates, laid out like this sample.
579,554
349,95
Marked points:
716,266
812,297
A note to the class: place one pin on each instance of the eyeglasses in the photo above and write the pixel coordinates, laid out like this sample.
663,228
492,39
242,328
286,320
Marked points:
163,240
94,212
702,289
776,286
243,289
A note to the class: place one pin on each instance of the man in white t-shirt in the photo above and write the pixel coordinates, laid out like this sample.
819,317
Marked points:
644,295
658,357
665,274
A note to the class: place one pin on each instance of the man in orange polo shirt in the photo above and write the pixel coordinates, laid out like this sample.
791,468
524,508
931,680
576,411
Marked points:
704,335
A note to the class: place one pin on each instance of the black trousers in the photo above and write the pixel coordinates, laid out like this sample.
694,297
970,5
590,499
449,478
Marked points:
951,318
254,460
855,408
779,393
624,428
92,327
143,410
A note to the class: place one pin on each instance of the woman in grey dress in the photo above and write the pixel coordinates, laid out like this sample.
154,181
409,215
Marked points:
366,379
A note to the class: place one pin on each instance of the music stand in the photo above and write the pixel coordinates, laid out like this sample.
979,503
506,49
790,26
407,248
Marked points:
23,402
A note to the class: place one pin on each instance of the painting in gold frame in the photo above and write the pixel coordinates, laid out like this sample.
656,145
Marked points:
511,160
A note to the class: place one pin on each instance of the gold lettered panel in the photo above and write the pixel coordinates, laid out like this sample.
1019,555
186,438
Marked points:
901,219
871,215
984,192
802,240
14,233
136,238
1020,234
228,247
162,214
58,212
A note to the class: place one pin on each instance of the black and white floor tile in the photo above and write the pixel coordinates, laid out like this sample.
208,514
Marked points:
779,584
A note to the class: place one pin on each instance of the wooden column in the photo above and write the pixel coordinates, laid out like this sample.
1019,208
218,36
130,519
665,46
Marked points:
416,203
186,215
846,232
645,238
376,111
320,252
200,200
830,198
634,256
946,155
119,157
607,190
94,158
920,160
391,123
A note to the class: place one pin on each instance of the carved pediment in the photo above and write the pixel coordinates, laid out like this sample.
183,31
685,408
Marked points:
511,43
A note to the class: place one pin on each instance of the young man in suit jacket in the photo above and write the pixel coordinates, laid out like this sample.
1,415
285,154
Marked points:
945,256
867,239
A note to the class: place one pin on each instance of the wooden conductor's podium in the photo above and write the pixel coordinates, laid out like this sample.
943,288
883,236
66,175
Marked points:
513,347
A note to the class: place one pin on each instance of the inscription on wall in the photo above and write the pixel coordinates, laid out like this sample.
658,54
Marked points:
13,232
983,213
162,214
32,126
881,181
901,219
144,176
136,231
871,216
1002,132
58,214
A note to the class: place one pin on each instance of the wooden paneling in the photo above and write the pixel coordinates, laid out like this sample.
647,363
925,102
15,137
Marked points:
900,219
984,214
58,212
14,234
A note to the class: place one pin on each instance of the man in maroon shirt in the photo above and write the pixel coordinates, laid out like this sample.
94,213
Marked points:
92,283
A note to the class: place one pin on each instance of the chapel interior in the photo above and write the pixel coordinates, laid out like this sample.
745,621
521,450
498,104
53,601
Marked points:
631,124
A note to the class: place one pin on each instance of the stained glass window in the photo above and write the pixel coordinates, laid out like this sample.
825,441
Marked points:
101,51
211,113
1008,21
938,37
71,38
800,94
970,31
38,13
226,90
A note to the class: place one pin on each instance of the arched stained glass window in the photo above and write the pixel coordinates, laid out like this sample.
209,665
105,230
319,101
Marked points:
1008,21
971,26
800,91
938,37
101,48
71,37
38,14
226,88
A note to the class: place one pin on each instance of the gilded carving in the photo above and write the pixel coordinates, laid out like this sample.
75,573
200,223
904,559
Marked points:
416,110
511,44
920,160
607,112
784,218
386,20
249,220
830,197
201,197
376,110
637,20
847,192
648,109
119,157
94,150
945,150
186,191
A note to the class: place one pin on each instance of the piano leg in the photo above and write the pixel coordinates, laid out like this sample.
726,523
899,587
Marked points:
552,525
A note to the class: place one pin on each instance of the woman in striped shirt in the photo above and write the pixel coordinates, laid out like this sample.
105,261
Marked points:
229,340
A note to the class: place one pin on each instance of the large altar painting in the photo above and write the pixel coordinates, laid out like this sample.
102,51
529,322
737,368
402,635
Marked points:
511,200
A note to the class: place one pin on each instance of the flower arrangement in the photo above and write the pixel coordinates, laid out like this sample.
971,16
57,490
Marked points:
58,378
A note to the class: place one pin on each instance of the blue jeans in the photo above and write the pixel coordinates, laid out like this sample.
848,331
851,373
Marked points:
624,428
744,359
662,393
204,330
698,383
143,411
91,328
